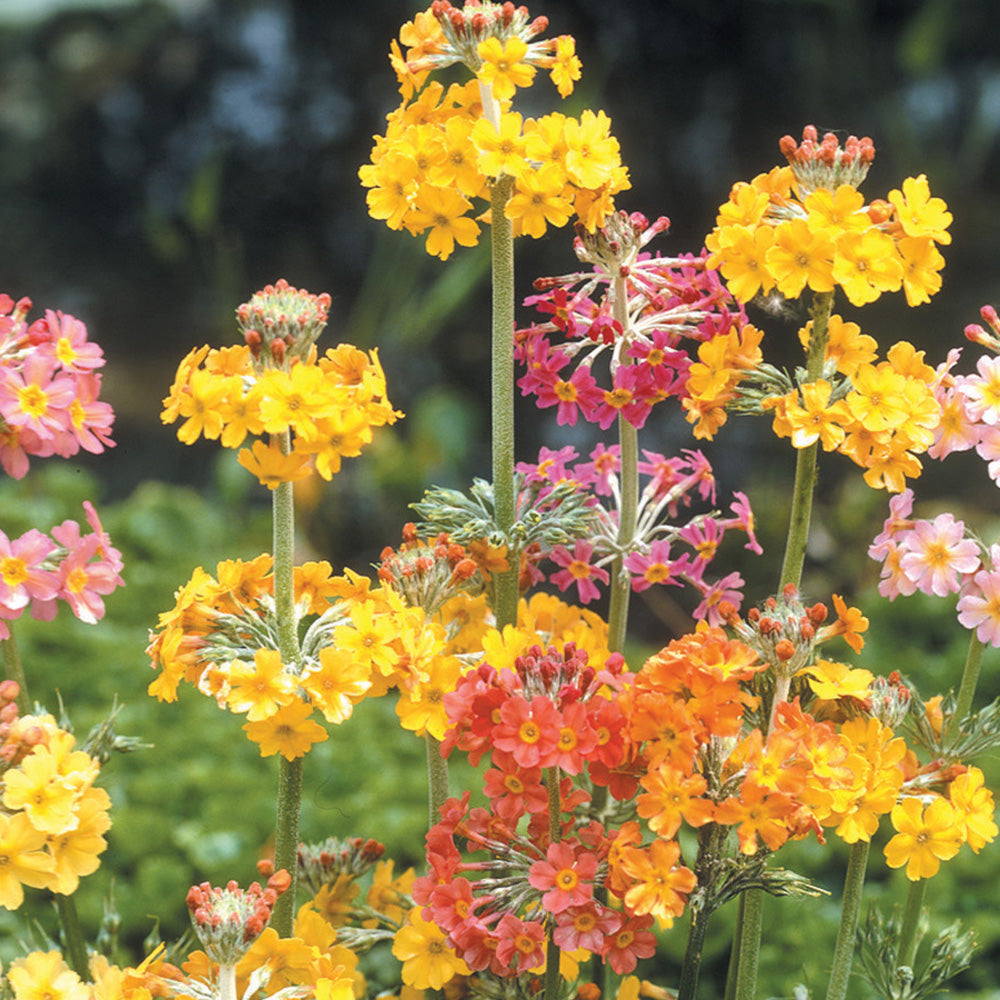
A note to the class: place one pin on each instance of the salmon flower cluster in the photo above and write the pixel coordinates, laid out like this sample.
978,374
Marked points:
38,570
497,892
314,410
666,303
49,388
444,148
222,637
806,225
54,817
666,548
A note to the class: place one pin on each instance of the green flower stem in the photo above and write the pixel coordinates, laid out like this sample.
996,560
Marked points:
437,778
966,689
688,985
906,953
843,953
628,440
734,952
286,841
910,924
286,832
552,951
505,595
791,573
805,463
749,946
14,670
76,946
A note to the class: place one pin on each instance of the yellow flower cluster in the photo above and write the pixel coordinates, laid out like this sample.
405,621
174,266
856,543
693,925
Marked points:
443,149
882,415
221,636
53,817
930,828
776,233
327,405
46,974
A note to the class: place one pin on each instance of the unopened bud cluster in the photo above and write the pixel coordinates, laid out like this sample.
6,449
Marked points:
427,573
889,700
783,632
824,163
282,322
465,27
615,244
323,863
986,338
228,920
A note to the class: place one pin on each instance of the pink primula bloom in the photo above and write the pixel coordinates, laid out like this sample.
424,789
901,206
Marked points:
577,569
982,391
937,552
14,451
520,943
988,449
36,398
727,590
83,582
979,606
900,508
64,338
631,941
602,471
23,577
552,466
584,927
565,876
656,567
894,582
743,521
90,418
529,732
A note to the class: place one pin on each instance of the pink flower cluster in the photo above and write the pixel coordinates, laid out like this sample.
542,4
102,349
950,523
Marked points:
540,725
936,557
667,300
672,485
48,388
37,570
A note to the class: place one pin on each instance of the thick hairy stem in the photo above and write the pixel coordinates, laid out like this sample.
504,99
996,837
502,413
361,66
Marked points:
502,240
76,946
843,954
437,778
286,832
552,951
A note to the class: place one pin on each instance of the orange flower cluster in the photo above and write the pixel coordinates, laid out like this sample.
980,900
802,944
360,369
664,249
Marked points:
53,817
222,637
443,149
806,225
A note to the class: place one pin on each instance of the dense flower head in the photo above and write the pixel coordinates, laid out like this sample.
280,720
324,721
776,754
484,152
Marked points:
326,406
227,920
48,388
806,225
665,303
672,544
39,570
54,817
323,863
222,637
444,149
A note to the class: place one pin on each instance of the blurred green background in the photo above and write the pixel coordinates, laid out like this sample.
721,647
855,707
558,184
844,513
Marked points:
159,161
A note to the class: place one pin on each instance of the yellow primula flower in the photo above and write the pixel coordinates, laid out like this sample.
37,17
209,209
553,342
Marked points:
867,264
800,256
271,466
45,976
566,66
592,152
740,253
259,691
927,835
26,863
503,69
920,214
428,961
443,212
539,200
501,150
290,731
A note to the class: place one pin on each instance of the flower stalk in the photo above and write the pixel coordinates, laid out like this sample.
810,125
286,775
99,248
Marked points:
14,670
843,953
76,945
289,806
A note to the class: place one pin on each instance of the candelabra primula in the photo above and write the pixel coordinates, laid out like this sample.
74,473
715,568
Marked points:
222,637
807,226
651,555
276,384
54,816
48,388
668,301
445,148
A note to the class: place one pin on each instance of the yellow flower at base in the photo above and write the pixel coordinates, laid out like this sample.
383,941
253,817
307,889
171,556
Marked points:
271,466
43,975
926,836
428,962
290,732
25,860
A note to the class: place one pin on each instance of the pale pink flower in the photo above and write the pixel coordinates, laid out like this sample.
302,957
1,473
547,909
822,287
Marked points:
982,391
979,606
64,338
83,582
36,398
900,508
937,552
23,577
894,583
